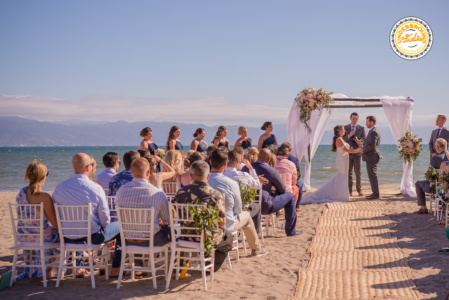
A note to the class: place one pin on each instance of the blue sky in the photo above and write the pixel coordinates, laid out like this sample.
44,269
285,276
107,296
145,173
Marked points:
210,61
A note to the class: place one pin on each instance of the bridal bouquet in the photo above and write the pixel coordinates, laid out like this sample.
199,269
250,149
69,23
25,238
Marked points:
160,152
311,99
431,176
409,147
273,148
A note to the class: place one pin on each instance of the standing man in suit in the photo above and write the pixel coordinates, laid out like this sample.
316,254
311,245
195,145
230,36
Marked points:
371,155
355,132
441,132
423,186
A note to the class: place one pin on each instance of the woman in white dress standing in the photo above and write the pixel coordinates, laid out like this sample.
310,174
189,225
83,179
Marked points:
335,189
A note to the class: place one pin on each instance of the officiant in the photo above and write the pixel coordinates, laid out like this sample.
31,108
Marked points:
355,133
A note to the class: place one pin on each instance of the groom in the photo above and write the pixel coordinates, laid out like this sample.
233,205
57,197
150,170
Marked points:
355,132
371,155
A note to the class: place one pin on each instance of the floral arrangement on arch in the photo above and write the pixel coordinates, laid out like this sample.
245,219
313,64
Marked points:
409,147
311,99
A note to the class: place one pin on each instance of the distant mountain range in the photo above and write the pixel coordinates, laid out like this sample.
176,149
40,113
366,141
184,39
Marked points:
20,132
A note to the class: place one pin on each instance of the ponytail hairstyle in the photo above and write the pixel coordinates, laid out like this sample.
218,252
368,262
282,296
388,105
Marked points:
35,173
190,159
145,131
265,125
171,135
252,155
198,132
241,129
337,130
219,131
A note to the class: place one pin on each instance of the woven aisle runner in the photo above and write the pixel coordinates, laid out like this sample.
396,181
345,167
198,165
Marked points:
354,256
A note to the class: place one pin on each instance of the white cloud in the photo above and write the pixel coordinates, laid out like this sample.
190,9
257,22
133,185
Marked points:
209,111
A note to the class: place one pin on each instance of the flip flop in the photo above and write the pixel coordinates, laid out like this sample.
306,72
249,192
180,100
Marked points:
142,275
125,273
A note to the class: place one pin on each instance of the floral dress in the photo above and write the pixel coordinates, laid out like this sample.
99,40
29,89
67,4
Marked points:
50,236
203,193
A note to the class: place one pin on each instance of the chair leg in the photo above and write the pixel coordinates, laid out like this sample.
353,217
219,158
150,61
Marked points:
61,263
244,241
30,261
14,265
133,273
170,270
44,267
212,268
203,270
229,261
91,268
166,262
153,269
178,259
73,264
106,261
122,266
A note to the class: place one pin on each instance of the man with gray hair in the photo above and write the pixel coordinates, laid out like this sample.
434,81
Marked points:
423,186
200,192
440,132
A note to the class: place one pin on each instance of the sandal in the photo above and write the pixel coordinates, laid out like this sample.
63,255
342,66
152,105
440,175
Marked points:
141,275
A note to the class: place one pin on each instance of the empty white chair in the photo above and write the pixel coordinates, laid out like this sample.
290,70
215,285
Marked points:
114,218
78,217
23,218
183,214
136,223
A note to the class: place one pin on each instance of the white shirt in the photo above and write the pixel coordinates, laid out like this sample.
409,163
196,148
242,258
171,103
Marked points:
104,177
139,193
353,127
241,166
80,190
250,179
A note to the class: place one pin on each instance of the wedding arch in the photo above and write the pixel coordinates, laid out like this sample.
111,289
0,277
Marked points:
304,143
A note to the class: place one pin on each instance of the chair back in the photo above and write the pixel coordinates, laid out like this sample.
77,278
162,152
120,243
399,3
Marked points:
184,215
27,220
136,223
258,199
106,192
112,209
170,188
74,222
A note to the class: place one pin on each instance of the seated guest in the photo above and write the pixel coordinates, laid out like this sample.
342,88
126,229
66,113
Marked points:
199,144
251,179
124,176
275,201
174,159
94,169
200,192
299,184
244,141
111,162
220,139
236,218
173,143
184,179
36,174
423,186
252,155
139,193
286,167
144,152
240,151
209,152
156,179
272,161
79,190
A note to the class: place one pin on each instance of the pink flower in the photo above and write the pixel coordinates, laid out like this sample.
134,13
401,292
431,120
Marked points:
415,140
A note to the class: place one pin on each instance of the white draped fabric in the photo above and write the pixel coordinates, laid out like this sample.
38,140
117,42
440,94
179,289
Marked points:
300,139
399,115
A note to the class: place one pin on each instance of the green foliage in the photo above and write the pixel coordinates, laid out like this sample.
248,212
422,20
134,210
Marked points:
247,194
432,175
207,219
443,186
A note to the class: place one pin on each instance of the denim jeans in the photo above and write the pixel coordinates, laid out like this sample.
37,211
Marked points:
106,234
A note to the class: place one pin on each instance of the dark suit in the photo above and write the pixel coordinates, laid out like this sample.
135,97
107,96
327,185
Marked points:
371,156
355,159
444,134
272,203
423,186
299,184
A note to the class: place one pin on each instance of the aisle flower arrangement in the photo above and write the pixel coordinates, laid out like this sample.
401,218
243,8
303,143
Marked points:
443,189
409,147
311,99
207,219
431,176
247,193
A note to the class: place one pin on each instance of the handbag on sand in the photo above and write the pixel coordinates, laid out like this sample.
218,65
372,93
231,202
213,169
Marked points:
5,279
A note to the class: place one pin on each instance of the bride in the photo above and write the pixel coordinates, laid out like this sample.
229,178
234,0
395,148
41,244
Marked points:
335,189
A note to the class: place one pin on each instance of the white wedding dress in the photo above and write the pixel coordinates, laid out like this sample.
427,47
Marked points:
336,189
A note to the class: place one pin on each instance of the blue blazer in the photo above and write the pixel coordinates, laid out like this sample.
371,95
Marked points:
274,179
295,160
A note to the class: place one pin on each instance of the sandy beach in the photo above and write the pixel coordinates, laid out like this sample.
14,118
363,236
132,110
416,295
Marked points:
274,276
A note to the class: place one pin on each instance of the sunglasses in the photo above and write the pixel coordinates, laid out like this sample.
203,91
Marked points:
48,173
91,164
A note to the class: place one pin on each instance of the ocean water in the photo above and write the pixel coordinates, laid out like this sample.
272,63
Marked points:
14,160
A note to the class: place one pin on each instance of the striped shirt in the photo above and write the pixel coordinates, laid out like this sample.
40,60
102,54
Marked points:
139,193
